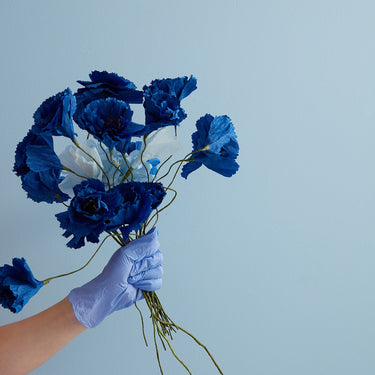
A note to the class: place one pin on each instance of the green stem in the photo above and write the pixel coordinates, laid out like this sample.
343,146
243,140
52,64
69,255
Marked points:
117,166
64,168
163,208
182,160
160,318
173,352
157,350
161,165
115,238
156,214
160,331
175,174
128,172
195,339
143,325
143,151
105,152
170,167
118,238
61,201
46,281
91,157
112,162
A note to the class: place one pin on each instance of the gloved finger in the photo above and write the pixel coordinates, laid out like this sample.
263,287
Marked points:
142,247
150,285
151,274
145,264
117,262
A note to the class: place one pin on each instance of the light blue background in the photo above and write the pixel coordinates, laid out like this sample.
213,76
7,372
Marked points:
273,268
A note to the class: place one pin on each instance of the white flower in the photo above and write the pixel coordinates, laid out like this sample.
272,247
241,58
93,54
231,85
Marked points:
80,163
160,144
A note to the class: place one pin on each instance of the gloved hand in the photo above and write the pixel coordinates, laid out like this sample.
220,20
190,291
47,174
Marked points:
132,268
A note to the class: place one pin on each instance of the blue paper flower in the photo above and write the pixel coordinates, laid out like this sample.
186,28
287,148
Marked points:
163,98
20,165
17,285
94,210
216,135
39,168
55,115
135,207
105,85
109,121
88,214
156,191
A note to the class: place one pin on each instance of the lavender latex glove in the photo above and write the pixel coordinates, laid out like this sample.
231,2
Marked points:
132,268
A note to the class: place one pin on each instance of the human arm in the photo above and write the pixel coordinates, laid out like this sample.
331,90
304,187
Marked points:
27,344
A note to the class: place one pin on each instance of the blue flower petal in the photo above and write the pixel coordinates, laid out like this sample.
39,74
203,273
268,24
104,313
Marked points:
41,158
55,115
156,192
44,186
105,85
86,214
109,121
21,166
190,167
39,168
17,285
154,163
218,134
163,98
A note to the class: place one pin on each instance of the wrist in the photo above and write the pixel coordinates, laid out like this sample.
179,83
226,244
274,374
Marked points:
67,314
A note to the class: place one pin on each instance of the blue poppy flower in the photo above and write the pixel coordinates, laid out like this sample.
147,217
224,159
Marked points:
217,137
157,193
105,85
20,165
94,210
163,101
109,121
135,207
17,285
55,115
88,214
39,168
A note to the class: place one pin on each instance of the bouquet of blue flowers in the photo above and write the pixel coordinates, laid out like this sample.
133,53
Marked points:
114,178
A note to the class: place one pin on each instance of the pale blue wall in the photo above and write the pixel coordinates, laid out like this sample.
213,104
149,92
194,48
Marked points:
272,269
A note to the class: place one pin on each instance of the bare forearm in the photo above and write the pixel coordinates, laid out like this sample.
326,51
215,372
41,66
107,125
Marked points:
27,344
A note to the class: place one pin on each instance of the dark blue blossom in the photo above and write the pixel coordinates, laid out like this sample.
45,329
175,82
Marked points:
163,101
55,115
20,164
94,210
105,85
109,121
156,191
17,285
135,207
216,135
88,214
39,168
